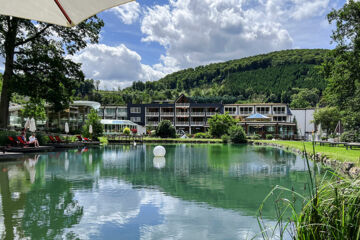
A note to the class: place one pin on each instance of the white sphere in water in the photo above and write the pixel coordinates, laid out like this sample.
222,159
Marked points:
159,151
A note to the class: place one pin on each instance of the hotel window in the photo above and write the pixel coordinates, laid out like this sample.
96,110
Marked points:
263,110
135,110
246,110
230,110
135,119
122,110
110,111
279,110
280,119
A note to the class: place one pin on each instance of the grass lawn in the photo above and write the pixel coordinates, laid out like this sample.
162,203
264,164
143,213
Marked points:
182,140
336,153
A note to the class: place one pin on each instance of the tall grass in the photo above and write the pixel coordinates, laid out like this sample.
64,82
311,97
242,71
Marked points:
330,209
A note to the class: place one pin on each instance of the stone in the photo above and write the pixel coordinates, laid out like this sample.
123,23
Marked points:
354,172
346,166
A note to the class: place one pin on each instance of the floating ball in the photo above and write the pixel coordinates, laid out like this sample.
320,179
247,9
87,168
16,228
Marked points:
159,162
159,151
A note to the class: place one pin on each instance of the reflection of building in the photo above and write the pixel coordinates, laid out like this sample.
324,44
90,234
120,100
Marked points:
184,114
264,118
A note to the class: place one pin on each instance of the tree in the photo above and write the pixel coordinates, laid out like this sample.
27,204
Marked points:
35,60
304,98
165,130
34,108
342,70
328,117
220,124
94,120
237,134
126,131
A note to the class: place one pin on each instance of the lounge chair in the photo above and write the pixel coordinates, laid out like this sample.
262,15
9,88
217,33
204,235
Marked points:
13,142
23,143
52,139
58,139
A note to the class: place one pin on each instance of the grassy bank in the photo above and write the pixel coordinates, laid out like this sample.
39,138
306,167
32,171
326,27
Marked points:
336,153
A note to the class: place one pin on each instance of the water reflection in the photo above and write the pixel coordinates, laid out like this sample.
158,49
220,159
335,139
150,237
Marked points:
204,192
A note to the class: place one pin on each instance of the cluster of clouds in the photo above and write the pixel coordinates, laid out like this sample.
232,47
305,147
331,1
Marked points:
199,32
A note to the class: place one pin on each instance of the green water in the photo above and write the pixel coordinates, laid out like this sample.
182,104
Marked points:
122,192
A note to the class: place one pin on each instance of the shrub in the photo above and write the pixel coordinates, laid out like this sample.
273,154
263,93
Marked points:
269,136
165,130
220,124
225,138
126,131
255,137
202,135
4,137
349,136
134,131
237,134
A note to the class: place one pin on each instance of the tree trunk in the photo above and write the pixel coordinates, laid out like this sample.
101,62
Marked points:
10,39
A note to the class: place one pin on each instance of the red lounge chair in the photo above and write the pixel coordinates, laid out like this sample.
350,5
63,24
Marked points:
79,138
23,143
87,140
58,139
52,139
12,141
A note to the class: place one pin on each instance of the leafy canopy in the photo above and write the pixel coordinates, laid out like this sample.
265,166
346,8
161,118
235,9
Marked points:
94,120
165,130
328,117
220,124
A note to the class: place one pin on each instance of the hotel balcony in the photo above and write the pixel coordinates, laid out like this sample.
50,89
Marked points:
182,123
198,123
152,114
246,113
200,114
182,114
210,113
152,123
182,105
167,114
279,113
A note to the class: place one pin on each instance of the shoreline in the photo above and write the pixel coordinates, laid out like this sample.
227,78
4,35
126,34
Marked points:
345,168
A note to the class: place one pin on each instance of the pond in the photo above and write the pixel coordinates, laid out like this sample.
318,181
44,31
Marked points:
123,192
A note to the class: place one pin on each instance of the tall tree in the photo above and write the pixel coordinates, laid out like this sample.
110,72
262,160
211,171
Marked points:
35,62
343,70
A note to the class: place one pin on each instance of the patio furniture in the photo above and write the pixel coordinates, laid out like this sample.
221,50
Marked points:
352,145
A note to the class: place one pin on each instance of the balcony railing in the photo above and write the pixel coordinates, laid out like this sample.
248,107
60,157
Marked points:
152,113
197,123
210,113
263,113
279,112
197,113
182,113
152,123
170,114
246,112
182,123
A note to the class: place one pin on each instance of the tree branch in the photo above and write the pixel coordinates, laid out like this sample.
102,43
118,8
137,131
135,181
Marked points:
33,37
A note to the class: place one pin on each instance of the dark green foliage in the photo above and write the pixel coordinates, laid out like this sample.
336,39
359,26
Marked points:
350,136
4,137
165,130
94,120
220,124
202,135
225,138
304,98
269,136
237,134
34,108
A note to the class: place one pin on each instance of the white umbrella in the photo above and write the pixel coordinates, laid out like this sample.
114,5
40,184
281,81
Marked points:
66,13
32,125
90,129
27,123
66,128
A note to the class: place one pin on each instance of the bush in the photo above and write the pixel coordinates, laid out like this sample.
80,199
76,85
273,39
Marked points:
94,120
165,130
237,134
350,137
4,137
225,138
269,136
220,124
126,131
202,135
255,137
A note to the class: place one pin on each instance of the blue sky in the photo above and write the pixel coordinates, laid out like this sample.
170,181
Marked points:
145,40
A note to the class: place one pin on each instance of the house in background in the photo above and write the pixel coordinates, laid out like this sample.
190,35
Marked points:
264,119
305,122
185,114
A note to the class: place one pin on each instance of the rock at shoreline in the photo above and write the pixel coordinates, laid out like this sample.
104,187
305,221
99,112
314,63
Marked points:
354,172
346,166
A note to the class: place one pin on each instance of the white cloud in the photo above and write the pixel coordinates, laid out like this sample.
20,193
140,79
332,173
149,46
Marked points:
128,13
198,32
114,66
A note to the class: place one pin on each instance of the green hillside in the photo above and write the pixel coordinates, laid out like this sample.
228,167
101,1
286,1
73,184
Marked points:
273,77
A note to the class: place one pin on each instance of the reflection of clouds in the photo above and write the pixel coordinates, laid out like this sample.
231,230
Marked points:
116,204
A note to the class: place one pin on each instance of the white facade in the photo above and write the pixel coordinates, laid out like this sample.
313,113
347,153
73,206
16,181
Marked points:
304,118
